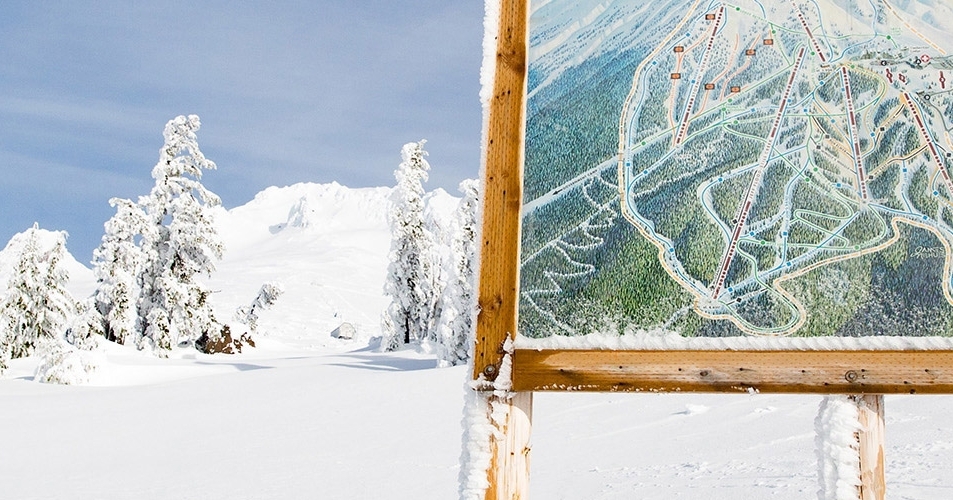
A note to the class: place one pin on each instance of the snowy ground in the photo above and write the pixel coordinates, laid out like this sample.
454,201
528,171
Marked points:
285,422
306,415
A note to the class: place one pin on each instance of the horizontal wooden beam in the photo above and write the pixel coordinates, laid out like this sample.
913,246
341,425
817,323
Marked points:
825,372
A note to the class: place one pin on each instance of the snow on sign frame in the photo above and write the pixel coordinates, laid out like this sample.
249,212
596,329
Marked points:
719,196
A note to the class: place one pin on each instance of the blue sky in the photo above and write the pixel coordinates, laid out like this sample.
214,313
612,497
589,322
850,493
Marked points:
288,92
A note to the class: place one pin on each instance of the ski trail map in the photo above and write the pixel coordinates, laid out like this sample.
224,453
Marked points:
772,168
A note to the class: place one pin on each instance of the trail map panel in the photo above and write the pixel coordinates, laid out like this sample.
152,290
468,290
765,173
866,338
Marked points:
776,168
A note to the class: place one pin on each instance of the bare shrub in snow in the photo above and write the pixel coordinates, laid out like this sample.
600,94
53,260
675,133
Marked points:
224,342
409,279
267,296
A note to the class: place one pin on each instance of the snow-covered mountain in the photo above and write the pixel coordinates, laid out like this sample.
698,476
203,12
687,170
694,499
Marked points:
326,244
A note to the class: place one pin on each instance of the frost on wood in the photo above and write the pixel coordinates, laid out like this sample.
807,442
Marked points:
484,417
838,458
661,339
409,281
478,416
476,455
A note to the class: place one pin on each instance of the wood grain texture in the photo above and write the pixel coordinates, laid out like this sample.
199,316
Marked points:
823,372
502,193
509,468
873,482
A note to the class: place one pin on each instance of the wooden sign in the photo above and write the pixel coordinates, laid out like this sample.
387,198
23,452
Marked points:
788,199
771,221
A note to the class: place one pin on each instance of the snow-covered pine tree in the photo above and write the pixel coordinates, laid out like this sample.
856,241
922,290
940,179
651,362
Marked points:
117,264
178,243
459,307
63,363
37,306
439,261
409,274
87,326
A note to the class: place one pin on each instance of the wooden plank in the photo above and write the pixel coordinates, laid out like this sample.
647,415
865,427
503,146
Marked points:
830,372
502,193
873,482
509,467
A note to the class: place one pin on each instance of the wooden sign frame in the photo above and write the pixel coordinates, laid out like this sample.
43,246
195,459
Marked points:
781,371
865,373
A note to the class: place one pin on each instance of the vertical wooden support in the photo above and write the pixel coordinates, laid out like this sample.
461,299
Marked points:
511,413
873,484
509,467
502,194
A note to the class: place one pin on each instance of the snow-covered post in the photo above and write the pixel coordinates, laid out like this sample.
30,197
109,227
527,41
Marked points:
497,424
850,448
507,415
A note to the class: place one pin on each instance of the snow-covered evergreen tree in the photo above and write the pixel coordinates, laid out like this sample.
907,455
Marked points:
37,306
438,260
410,273
117,264
459,307
86,327
63,363
178,243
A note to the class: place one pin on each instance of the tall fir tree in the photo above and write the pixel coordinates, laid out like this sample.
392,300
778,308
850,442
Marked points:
178,243
458,316
439,262
117,263
37,306
410,273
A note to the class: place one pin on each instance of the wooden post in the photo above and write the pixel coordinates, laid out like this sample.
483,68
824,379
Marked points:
511,413
502,195
873,484
509,467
